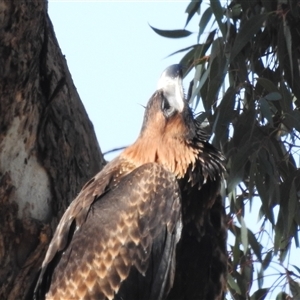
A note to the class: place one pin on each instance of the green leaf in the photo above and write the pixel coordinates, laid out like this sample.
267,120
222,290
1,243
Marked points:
233,284
188,61
184,49
267,84
265,110
286,100
197,85
236,249
202,116
294,287
246,33
192,8
260,278
224,115
263,193
295,119
218,11
267,260
274,96
218,69
244,235
252,172
292,206
283,296
238,164
260,294
297,268
174,34
288,40
204,21
254,244
279,228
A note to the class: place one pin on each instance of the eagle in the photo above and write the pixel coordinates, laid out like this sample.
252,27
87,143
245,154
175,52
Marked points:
151,224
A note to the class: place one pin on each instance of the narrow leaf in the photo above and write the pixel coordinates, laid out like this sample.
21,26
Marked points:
283,296
263,193
265,111
202,80
225,114
260,278
294,287
295,119
260,294
274,96
184,49
204,21
233,284
267,260
297,268
178,33
286,100
188,61
252,171
237,253
202,117
244,235
292,206
288,40
218,11
238,163
254,244
249,29
192,8
267,84
196,87
279,228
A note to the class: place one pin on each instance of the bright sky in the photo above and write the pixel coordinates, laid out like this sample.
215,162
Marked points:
115,58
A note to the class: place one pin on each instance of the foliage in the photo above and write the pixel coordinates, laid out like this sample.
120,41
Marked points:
247,79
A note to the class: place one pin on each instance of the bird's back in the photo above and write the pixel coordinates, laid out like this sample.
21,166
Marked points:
125,248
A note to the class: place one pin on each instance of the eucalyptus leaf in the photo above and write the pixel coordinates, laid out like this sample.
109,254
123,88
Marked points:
267,260
246,32
283,296
288,40
244,235
218,11
267,84
192,8
255,245
274,96
295,288
233,284
206,16
260,294
174,34
265,110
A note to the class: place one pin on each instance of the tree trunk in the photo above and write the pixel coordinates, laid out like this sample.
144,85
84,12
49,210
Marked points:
48,148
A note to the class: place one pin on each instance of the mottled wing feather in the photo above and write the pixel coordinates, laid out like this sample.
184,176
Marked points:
79,207
125,247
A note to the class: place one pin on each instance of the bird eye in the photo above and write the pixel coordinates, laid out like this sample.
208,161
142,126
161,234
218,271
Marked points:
168,110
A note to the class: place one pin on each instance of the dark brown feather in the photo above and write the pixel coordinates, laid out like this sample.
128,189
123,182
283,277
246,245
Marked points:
110,247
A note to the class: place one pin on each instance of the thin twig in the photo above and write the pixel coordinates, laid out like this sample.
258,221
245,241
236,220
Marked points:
114,150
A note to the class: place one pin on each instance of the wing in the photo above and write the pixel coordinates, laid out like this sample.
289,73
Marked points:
201,256
125,248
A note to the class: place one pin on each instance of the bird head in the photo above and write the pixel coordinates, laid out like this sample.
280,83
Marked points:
171,136
168,112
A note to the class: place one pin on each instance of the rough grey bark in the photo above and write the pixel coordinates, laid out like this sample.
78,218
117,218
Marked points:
48,148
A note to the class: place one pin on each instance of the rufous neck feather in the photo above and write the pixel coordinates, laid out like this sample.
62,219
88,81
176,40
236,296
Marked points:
172,153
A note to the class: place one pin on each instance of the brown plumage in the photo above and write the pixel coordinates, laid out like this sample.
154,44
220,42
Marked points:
119,237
